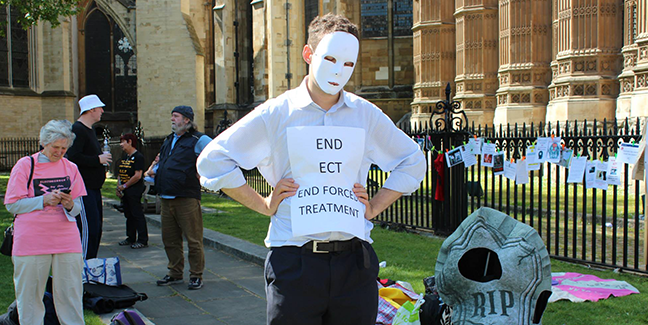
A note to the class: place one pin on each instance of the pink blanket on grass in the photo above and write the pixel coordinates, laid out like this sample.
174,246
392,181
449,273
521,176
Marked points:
578,287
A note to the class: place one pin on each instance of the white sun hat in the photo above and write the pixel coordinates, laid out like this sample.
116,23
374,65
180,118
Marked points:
89,102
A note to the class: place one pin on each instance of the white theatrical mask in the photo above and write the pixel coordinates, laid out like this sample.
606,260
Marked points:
334,60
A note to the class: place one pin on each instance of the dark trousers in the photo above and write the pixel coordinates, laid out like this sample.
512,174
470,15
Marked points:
136,229
309,288
90,222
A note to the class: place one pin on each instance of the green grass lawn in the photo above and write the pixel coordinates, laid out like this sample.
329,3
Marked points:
7,295
410,257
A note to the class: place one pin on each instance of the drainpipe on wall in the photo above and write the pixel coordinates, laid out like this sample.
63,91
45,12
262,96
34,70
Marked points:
288,43
390,41
236,54
212,50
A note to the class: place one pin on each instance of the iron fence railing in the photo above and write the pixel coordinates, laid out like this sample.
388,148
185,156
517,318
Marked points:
12,149
577,224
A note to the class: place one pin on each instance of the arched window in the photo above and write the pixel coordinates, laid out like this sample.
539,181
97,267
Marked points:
110,65
14,53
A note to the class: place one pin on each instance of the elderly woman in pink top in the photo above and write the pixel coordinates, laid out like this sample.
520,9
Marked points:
45,231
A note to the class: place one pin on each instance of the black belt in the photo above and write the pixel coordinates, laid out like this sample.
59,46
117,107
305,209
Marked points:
325,246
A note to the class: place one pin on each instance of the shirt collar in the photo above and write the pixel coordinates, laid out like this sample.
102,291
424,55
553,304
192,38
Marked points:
302,98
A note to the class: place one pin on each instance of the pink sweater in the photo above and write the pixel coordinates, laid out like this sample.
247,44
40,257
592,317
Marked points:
46,231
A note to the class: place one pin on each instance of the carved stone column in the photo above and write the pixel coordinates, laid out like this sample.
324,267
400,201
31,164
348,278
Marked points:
285,35
434,55
587,60
477,59
524,56
633,97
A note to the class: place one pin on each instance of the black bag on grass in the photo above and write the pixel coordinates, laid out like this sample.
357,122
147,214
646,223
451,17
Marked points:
102,298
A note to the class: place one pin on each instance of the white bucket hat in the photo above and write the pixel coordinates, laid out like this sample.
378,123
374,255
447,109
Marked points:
89,102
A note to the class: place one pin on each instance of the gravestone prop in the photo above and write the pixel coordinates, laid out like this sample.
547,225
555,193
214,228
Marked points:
494,270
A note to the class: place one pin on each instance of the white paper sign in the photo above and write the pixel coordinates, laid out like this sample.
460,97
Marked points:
454,157
590,173
522,174
613,172
498,163
510,169
532,158
542,146
601,181
628,153
577,169
554,151
468,158
488,151
565,158
475,145
325,162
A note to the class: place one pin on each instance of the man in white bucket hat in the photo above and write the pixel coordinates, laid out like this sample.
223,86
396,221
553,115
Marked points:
87,154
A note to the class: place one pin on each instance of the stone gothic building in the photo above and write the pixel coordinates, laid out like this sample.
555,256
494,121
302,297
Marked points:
522,61
507,60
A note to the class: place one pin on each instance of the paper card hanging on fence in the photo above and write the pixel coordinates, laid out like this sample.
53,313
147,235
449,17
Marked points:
590,173
601,181
510,169
475,145
325,162
454,157
554,151
565,158
532,158
498,163
577,169
488,151
468,158
542,146
628,153
613,172
522,174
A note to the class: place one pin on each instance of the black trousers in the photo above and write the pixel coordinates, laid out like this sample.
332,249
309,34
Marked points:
309,288
90,223
136,229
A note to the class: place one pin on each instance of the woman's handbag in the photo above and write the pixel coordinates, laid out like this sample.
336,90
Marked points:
7,242
102,270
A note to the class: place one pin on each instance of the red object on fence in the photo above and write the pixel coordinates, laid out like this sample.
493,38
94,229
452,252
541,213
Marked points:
439,165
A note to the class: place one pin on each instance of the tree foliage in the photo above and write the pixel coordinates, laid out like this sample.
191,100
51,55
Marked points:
33,11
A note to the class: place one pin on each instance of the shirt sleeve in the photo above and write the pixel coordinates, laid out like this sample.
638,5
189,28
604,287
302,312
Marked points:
17,184
139,163
75,152
245,144
393,151
26,205
76,209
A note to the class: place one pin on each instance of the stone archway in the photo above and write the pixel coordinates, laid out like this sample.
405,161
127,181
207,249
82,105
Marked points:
108,66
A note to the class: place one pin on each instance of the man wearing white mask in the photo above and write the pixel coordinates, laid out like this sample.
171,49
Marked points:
315,145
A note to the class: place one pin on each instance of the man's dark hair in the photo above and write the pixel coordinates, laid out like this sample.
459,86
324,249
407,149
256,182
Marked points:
131,137
329,23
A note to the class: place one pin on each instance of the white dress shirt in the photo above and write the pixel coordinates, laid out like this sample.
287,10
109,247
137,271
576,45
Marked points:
259,140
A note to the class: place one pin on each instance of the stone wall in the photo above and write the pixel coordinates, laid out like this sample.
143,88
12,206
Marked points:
170,62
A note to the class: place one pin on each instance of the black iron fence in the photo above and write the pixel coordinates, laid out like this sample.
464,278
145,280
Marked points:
578,224
12,149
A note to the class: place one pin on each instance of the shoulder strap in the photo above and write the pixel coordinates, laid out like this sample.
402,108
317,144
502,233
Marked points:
31,175
130,318
31,172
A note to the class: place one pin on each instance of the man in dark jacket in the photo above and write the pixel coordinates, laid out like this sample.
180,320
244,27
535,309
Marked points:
177,183
86,153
